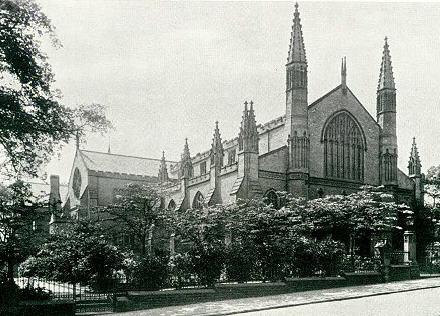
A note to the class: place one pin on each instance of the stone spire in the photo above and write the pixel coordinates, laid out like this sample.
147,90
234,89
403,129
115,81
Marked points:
414,164
163,172
217,148
344,75
386,78
248,136
186,168
296,127
387,120
297,52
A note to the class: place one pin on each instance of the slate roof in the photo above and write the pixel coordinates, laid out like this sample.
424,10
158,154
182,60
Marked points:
114,163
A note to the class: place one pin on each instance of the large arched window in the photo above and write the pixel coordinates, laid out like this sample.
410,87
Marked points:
199,201
344,147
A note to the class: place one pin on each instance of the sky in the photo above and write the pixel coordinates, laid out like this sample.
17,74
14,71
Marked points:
169,70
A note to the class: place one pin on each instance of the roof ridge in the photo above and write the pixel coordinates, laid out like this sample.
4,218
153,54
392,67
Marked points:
129,156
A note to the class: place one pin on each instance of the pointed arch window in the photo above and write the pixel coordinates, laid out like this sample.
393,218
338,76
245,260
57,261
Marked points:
172,205
199,201
271,198
344,147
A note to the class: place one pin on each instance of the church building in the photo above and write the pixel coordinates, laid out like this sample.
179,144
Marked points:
330,146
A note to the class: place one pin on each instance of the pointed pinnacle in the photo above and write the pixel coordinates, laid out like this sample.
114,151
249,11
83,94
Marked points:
296,49
386,77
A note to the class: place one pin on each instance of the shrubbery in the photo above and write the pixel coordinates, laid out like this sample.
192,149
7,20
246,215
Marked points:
150,272
243,241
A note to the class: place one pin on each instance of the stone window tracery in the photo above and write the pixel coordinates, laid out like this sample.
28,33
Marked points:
344,147
199,201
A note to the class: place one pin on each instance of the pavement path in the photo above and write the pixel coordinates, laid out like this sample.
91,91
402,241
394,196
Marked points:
266,303
425,302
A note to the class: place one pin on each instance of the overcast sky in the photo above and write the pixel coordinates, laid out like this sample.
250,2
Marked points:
169,70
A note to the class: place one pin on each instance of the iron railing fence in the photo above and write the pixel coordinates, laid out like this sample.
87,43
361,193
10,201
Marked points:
399,258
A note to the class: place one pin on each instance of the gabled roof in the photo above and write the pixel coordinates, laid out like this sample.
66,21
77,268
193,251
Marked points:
105,162
351,92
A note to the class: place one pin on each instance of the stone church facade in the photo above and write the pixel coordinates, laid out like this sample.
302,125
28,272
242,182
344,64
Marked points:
330,146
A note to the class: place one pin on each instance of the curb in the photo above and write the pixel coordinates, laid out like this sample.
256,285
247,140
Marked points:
321,301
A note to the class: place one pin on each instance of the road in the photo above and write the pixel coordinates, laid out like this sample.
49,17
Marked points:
418,303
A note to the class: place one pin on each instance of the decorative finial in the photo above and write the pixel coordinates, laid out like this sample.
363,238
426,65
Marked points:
344,75
108,149
163,154
296,6
77,140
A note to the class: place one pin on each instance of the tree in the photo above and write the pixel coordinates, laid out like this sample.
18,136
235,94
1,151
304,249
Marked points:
34,124
78,253
19,211
432,185
137,209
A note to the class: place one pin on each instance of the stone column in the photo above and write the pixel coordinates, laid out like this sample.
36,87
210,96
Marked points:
409,246
172,244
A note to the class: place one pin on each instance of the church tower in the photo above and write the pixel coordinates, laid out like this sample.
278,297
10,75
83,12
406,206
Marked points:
386,117
297,130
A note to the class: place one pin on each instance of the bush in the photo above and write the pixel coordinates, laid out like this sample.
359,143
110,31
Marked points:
34,293
8,291
181,271
304,260
206,261
150,272
240,262
330,257
310,257
353,263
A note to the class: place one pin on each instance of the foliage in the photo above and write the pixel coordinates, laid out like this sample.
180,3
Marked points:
206,262
241,262
31,293
432,184
137,210
181,270
150,272
356,263
8,290
19,209
78,253
34,124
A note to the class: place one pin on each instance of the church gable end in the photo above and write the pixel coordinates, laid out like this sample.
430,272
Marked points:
364,167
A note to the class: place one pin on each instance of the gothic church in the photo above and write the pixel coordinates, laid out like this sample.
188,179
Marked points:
330,146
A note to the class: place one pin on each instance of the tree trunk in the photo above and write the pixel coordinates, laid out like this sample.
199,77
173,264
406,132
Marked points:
10,273
143,245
